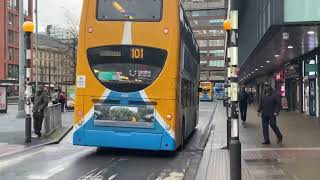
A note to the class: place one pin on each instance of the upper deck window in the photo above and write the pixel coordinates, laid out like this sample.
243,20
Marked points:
129,10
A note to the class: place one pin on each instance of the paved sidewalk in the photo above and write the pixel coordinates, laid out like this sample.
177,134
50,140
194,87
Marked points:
12,132
215,162
297,158
298,131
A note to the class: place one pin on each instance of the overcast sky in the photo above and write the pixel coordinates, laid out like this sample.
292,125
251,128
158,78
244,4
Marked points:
53,11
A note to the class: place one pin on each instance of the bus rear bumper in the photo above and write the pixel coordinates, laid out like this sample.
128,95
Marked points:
127,140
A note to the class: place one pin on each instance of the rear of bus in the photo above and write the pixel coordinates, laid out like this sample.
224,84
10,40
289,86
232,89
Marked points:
127,75
206,93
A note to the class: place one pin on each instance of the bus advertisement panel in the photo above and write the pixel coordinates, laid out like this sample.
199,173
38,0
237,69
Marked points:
70,90
3,100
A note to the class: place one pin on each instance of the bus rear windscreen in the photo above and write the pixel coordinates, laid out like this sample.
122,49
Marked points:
140,10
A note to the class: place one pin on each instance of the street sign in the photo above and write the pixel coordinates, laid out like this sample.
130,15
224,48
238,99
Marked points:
3,100
310,68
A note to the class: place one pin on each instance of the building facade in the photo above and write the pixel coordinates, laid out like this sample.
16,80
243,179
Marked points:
206,18
279,43
9,42
55,62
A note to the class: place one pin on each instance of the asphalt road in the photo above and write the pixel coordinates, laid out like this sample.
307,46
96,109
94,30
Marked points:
67,162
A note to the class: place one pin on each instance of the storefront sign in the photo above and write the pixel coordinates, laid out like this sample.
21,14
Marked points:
292,71
310,68
3,100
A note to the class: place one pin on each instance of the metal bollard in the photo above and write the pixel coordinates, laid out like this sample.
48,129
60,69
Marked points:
228,132
235,159
28,128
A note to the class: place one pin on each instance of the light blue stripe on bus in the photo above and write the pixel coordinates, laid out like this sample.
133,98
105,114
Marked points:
134,138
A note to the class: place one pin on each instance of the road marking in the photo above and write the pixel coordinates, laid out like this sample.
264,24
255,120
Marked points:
113,176
63,164
17,160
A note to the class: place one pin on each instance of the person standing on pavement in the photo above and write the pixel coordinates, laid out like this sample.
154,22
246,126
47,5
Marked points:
40,103
269,109
243,104
62,100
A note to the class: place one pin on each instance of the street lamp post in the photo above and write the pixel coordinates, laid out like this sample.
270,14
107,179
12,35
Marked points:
231,26
28,28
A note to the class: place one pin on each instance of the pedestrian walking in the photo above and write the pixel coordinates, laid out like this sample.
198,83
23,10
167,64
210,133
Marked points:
40,103
62,100
269,109
243,104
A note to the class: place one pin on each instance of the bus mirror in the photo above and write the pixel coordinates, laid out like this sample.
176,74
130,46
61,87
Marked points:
199,89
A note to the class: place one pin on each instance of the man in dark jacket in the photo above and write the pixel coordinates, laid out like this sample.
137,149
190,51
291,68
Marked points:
40,103
243,104
269,108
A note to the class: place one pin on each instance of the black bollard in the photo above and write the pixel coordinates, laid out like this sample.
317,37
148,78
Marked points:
235,159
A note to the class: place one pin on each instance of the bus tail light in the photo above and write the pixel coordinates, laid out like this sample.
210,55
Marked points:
80,116
169,116
79,113
165,30
90,30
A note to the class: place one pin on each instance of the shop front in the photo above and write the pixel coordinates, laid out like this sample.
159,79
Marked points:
310,86
280,89
293,84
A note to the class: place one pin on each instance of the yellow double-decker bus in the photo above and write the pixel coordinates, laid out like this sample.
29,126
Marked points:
206,93
137,75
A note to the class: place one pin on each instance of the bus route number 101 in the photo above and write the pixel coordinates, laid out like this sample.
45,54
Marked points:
137,53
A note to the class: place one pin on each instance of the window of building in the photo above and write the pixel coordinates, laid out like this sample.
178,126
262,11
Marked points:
10,20
216,53
217,73
216,21
219,42
11,36
12,4
203,43
203,53
216,63
203,62
11,53
216,32
195,13
13,71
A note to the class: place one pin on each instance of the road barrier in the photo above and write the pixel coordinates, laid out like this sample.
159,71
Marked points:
52,119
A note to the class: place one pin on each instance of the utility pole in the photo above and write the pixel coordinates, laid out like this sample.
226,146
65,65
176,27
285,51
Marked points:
231,26
28,28
36,42
227,83
21,112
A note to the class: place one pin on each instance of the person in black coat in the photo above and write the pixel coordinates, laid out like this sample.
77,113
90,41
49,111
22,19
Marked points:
243,104
40,103
269,109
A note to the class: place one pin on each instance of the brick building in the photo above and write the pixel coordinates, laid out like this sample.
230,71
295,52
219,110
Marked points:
9,41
